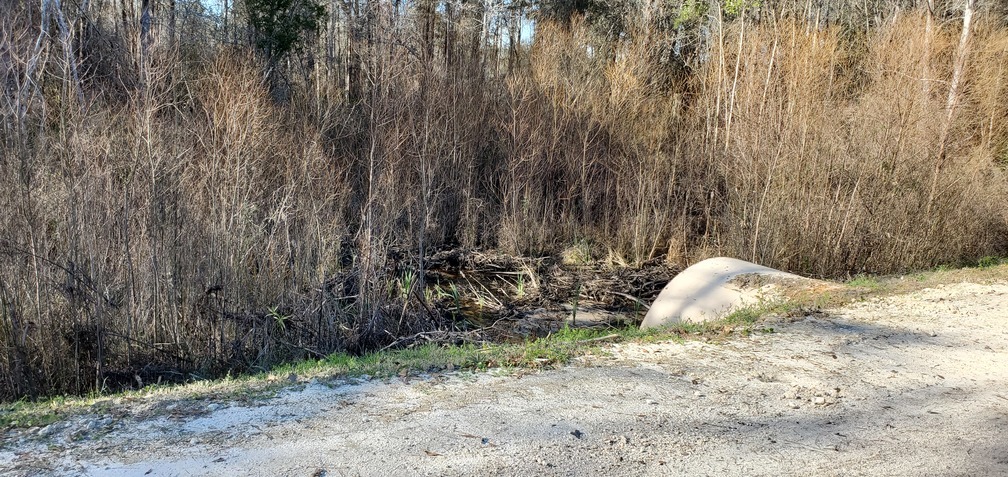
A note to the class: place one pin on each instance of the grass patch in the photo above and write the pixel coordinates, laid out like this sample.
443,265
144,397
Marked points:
746,316
554,350
991,262
34,414
986,270
864,281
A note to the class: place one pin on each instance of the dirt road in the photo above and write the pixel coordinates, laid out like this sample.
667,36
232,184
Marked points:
907,385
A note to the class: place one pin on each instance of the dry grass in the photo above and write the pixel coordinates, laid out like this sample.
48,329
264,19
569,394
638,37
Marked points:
185,222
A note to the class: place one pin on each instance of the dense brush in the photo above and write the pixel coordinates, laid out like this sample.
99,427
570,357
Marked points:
191,217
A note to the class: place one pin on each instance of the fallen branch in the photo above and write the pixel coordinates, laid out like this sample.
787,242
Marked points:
612,337
640,302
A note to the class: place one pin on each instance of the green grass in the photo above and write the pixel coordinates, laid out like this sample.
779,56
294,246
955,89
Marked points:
991,262
864,281
554,350
984,270
34,414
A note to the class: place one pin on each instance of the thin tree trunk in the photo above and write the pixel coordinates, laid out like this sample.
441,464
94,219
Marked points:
926,57
52,10
960,62
958,70
171,23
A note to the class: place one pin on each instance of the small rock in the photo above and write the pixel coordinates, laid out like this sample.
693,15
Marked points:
293,377
819,400
794,404
98,424
650,401
46,431
577,433
213,407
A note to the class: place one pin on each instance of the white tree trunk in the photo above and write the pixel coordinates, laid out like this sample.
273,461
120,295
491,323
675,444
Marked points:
958,69
960,62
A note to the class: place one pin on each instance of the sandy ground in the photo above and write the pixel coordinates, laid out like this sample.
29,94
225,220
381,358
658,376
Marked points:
907,385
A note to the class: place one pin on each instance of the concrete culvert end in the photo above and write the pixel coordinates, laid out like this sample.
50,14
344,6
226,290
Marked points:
715,288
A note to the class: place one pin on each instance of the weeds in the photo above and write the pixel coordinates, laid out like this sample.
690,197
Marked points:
990,262
865,282
520,286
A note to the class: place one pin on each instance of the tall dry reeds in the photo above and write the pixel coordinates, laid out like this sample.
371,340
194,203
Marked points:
831,153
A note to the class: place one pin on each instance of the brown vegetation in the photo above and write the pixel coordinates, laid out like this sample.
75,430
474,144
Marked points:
181,207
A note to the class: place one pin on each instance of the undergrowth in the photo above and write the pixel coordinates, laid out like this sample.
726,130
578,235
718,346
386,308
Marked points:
189,206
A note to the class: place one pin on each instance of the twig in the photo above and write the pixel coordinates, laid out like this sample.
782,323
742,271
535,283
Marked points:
633,298
612,337
302,348
416,294
442,336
